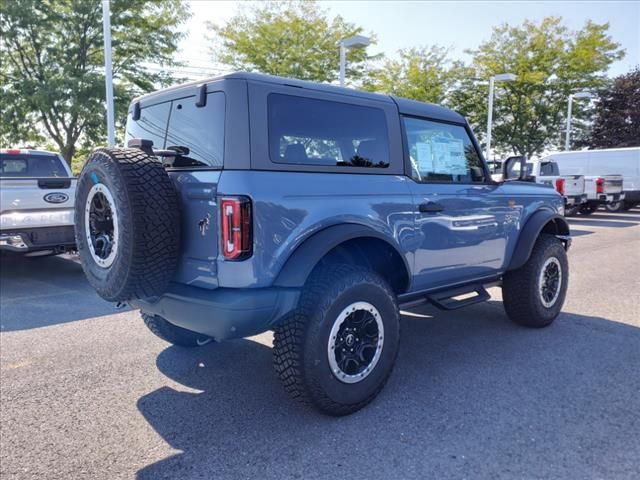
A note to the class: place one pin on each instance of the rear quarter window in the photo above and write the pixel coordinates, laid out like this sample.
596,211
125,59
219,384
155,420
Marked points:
196,131
310,131
31,166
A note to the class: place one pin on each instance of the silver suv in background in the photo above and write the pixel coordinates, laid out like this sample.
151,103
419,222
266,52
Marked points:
37,193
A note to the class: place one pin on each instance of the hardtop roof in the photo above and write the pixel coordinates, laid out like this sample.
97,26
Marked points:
406,106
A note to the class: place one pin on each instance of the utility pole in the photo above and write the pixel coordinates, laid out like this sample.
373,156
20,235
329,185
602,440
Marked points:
108,76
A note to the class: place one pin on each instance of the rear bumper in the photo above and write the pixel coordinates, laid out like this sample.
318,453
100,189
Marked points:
571,200
610,197
34,239
223,313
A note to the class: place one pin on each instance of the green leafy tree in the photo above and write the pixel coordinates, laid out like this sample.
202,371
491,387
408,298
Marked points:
550,62
290,39
617,114
52,65
420,73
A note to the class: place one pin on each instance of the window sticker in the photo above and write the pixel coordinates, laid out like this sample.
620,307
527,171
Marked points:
449,156
424,157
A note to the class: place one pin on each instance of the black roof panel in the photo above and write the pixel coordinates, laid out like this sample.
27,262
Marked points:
409,107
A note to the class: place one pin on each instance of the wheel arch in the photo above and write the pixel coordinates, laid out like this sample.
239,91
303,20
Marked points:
346,243
542,221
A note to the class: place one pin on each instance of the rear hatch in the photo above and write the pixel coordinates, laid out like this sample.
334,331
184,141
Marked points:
194,129
35,190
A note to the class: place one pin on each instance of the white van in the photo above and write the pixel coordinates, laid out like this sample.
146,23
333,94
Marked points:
602,163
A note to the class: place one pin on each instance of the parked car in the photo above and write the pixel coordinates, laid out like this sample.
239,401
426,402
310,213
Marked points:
37,193
612,176
249,202
571,187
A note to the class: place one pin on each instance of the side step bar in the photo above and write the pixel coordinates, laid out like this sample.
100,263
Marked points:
445,300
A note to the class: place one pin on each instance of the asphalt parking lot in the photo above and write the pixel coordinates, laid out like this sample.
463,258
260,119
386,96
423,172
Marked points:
87,392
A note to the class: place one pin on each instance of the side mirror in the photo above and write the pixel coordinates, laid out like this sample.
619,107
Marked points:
514,168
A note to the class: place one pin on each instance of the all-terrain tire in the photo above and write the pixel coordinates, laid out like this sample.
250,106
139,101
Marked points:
172,333
521,291
302,342
148,224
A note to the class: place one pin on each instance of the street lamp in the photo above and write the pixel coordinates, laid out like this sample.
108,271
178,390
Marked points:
503,77
568,133
106,29
357,41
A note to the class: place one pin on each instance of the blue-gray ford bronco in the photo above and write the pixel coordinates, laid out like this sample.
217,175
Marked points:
248,203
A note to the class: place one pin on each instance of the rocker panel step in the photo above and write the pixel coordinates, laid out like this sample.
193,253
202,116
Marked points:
444,299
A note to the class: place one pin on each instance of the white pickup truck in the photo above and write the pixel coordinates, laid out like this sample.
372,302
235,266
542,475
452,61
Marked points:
37,193
603,171
571,187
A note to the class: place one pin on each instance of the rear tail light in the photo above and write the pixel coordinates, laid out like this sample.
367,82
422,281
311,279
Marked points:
599,185
14,151
236,223
560,185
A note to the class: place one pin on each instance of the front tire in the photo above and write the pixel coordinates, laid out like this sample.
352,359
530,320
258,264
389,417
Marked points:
533,295
337,350
172,333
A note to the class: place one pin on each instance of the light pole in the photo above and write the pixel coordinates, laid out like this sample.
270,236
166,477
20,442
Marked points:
106,30
567,140
357,41
503,77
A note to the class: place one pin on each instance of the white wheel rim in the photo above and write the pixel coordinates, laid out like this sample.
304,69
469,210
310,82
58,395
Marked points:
549,293
101,260
346,343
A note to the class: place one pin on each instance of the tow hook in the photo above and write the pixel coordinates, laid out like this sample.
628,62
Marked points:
120,305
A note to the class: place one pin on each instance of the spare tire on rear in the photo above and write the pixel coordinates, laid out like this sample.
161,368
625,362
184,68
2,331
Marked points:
127,224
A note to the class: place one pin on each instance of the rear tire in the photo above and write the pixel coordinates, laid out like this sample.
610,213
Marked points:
172,333
571,211
127,224
588,209
614,207
337,350
530,296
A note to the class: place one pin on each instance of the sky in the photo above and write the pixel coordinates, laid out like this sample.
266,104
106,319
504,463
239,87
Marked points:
459,25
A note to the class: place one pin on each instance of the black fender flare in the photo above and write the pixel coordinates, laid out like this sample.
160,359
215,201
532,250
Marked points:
306,256
531,231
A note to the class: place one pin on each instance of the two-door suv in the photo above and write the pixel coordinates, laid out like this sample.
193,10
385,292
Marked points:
249,203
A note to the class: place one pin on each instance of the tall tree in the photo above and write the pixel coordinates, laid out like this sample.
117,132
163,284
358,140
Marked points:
419,73
290,39
617,114
550,62
52,65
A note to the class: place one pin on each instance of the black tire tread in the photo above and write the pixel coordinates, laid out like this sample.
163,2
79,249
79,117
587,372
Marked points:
519,289
155,216
322,287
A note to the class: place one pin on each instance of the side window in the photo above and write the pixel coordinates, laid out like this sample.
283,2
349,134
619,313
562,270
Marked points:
152,124
441,152
308,131
198,131
549,169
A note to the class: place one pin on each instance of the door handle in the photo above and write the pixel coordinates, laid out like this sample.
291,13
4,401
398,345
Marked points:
430,207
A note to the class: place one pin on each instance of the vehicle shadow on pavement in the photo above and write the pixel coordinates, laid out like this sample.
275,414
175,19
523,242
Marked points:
472,395
42,291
